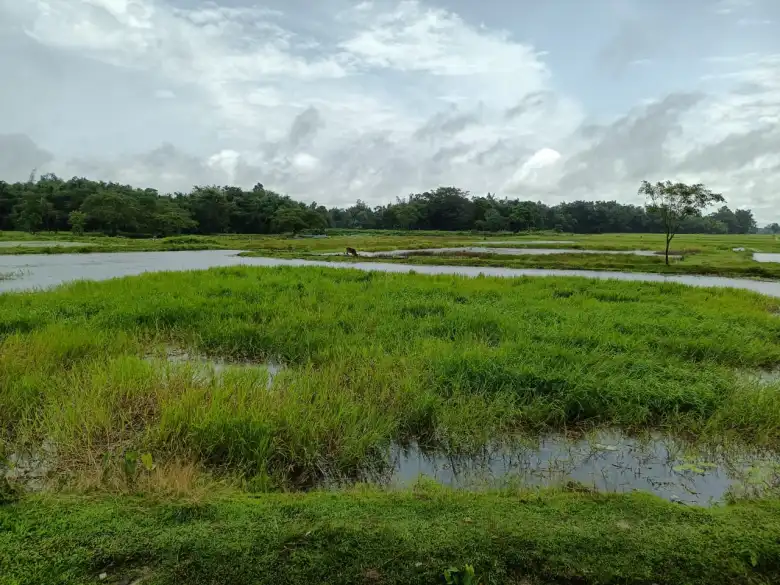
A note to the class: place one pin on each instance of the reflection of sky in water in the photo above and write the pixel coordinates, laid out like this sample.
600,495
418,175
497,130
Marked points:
45,270
607,461
766,257
205,368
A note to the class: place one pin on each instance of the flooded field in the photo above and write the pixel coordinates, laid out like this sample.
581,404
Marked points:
478,250
607,461
43,271
760,257
531,242
207,368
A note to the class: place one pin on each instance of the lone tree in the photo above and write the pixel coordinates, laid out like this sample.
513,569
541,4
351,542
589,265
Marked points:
673,202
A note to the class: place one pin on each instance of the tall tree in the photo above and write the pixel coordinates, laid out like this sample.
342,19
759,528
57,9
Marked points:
745,221
674,202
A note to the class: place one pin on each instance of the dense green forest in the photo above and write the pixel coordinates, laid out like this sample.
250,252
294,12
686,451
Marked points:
82,205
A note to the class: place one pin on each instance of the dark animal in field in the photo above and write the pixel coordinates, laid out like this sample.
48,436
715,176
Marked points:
351,252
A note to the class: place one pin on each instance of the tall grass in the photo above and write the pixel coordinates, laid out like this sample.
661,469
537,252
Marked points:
371,359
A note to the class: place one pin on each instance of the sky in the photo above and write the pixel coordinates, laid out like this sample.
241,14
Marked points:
334,101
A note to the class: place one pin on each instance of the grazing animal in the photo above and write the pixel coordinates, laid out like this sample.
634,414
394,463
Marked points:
351,252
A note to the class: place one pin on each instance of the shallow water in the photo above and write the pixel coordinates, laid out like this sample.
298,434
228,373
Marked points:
762,257
608,461
533,242
43,244
47,270
500,252
207,367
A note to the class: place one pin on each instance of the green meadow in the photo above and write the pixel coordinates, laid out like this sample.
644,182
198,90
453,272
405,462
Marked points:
153,468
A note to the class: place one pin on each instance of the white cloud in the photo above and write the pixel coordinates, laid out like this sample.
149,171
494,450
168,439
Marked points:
380,99
539,172
726,7
164,94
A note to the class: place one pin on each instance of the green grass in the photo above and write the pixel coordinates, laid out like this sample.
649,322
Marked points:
161,473
372,359
392,538
714,264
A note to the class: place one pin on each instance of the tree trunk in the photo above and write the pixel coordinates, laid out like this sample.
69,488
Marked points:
668,241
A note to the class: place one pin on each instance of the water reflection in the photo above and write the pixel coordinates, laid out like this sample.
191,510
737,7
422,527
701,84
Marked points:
46,270
760,257
207,368
608,461
533,242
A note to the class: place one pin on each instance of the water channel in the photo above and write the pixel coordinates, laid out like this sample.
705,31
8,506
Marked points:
47,270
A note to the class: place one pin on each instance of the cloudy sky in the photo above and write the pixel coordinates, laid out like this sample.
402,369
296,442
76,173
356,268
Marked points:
335,100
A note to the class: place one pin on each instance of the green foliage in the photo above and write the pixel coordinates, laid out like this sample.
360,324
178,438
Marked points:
674,202
112,208
465,576
289,220
77,221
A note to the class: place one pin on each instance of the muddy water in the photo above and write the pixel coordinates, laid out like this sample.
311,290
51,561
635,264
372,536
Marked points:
43,271
607,461
499,252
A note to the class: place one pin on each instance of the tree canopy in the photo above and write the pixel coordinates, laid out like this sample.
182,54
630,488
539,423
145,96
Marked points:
51,203
673,203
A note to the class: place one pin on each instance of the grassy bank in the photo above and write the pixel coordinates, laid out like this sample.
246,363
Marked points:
371,359
702,254
397,538
713,264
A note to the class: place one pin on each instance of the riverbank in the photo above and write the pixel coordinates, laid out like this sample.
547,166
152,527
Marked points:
727,264
392,538
699,254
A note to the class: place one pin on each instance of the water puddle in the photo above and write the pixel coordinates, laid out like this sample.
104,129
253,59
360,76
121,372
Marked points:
43,244
484,251
607,461
763,377
46,270
207,369
762,257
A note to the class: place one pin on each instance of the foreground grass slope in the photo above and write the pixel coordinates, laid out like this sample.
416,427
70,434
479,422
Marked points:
392,538
371,359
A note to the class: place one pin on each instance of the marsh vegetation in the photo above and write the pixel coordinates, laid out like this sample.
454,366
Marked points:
499,423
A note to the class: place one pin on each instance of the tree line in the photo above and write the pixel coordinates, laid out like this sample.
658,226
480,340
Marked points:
50,203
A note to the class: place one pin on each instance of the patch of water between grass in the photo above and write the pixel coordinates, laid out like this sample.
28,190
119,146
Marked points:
603,461
206,368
